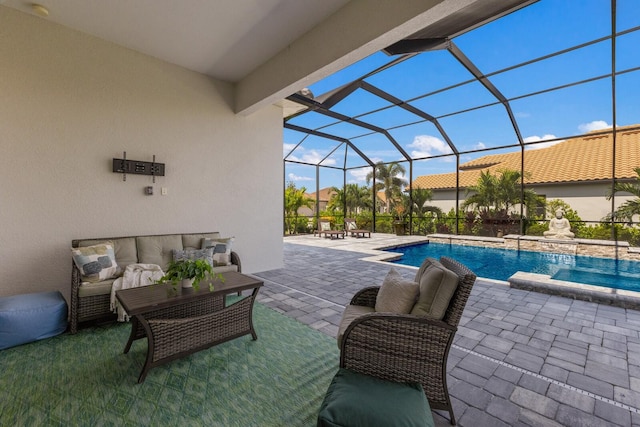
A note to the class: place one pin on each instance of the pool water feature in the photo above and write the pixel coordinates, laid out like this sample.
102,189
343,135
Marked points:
500,264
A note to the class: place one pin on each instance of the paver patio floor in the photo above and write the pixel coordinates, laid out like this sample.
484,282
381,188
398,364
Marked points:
518,358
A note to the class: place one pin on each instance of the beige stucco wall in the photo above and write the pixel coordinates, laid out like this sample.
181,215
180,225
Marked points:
69,103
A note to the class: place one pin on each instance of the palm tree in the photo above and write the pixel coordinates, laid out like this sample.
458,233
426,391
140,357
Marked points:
501,192
630,208
420,198
484,195
423,223
388,178
294,199
357,198
335,200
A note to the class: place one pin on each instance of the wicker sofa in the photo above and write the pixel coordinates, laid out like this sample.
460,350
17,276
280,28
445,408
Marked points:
90,301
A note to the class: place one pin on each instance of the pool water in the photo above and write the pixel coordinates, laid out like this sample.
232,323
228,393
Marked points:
500,264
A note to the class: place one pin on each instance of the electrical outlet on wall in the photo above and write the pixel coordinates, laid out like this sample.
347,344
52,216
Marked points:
164,191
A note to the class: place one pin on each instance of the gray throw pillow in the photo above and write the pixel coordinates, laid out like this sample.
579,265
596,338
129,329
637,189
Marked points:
437,286
193,254
397,294
425,264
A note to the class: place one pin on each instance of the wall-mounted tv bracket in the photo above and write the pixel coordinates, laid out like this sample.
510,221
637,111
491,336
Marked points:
137,167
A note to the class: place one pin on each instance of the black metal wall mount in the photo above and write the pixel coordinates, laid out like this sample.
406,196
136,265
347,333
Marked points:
137,167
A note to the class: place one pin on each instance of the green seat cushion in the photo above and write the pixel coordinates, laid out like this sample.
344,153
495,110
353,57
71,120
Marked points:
357,400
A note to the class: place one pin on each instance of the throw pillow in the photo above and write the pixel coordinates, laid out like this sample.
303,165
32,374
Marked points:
221,250
437,286
425,264
192,254
96,263
397,294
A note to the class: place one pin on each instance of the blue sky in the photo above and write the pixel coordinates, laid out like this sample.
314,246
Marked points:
541,29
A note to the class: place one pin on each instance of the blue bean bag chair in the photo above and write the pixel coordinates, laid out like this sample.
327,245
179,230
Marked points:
30,317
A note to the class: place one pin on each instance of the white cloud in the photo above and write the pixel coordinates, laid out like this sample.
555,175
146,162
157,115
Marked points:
286,148
522,115
294,177
479,146
360,175
536,138
594,125
427,145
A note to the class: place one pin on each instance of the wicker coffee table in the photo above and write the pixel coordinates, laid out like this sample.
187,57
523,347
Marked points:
176,326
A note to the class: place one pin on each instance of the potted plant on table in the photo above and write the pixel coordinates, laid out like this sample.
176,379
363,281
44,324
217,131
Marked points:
189,272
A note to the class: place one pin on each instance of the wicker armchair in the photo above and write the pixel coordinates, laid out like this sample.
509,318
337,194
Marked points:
404,347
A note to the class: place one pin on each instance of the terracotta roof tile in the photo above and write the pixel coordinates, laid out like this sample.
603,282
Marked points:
582,159
325,194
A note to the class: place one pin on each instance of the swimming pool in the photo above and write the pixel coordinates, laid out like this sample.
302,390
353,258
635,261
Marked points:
500,264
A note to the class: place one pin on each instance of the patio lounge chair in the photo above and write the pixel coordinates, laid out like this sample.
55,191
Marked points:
406,347
324,229
351,228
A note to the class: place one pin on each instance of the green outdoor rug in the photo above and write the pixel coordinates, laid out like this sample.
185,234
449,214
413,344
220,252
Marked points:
86,380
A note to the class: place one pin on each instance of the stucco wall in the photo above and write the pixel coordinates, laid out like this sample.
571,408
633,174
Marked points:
69,103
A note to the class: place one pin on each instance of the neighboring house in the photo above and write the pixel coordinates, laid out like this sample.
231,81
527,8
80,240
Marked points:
324,195
577,171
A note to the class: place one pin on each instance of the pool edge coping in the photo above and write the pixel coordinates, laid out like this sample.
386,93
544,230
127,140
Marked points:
545,284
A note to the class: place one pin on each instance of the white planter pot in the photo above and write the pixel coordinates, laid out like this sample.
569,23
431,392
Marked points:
187,283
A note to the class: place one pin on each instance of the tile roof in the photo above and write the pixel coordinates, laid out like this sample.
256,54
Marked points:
582,159
325,194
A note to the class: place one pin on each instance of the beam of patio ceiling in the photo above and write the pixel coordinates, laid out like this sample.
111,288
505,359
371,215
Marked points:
400,103
331,98
469,65
321,109
332,137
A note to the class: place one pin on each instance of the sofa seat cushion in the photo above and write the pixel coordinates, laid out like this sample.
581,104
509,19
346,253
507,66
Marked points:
225,268
89,289
357,400
158,249
351,313
124,248
437,286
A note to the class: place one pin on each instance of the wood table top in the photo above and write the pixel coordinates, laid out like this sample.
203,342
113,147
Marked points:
147,298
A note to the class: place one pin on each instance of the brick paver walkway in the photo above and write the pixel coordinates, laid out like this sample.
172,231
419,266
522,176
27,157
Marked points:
519,357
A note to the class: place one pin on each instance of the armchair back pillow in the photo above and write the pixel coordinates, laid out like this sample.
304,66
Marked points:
437,286
397,294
